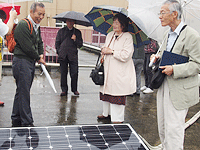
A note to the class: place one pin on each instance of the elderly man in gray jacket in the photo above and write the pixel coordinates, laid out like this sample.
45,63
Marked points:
179,90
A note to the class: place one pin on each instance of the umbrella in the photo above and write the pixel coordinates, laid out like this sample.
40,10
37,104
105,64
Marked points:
144,14
48,77
77,16
101,17
6,7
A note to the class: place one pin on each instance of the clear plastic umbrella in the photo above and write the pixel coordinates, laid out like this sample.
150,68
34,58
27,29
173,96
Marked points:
145,14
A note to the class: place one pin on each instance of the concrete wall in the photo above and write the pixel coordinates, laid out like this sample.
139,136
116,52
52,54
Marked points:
59,6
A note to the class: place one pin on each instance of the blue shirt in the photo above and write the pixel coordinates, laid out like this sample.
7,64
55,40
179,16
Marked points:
173,35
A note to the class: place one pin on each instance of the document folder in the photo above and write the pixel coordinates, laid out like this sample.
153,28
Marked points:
169,58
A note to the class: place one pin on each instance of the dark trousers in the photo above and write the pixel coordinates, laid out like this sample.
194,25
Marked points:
147,70
23,72
138,63
73,71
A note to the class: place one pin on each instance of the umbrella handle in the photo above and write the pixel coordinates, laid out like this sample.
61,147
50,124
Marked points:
16,20
151,62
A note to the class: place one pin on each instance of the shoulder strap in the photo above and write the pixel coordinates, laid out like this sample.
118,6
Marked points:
30,25
111,39
177,37
98,59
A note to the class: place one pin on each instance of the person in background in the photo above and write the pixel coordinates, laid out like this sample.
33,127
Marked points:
149,49
119,70
5,29
68,39
138,60
28,51
180,89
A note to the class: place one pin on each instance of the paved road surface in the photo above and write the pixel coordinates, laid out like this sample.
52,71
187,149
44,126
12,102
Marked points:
49,109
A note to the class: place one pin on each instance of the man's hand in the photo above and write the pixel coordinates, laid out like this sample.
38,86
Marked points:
41,60
42,56
168,70
152,56
73,37
13,14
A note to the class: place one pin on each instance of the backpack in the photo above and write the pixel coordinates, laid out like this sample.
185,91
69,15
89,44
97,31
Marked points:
10,41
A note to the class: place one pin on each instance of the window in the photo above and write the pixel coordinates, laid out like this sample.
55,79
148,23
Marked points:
98,38
60,23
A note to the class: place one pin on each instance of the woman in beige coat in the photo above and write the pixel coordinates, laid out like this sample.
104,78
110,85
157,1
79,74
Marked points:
119,70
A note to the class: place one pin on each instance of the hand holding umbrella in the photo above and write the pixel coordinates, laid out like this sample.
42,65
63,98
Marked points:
12,13
6,7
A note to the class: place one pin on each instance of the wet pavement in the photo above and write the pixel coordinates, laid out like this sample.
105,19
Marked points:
49,109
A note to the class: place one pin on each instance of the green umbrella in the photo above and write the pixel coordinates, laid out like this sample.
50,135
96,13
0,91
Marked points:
101,18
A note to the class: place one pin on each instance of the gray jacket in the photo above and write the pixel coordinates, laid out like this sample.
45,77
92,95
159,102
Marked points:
183,83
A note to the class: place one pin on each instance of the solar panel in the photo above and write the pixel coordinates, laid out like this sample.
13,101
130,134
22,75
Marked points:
73,137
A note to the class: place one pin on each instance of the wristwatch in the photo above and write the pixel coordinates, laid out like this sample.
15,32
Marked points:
112,52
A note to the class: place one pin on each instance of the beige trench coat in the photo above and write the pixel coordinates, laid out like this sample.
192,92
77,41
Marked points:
119,70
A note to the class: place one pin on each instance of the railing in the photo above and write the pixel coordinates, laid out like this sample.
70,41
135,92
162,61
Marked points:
90,37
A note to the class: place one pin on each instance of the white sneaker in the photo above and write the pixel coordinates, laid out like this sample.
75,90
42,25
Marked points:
148,91
143,88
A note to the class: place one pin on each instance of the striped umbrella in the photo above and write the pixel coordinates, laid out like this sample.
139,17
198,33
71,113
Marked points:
101,18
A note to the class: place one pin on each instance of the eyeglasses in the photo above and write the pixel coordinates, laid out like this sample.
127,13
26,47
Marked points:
163,13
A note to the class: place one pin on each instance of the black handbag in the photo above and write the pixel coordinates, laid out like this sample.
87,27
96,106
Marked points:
97,74
158,77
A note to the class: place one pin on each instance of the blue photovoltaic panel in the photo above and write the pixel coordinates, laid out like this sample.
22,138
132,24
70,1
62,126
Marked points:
86,137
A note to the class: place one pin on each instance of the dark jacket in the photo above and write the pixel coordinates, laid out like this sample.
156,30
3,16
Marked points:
28,46
139,53
65,46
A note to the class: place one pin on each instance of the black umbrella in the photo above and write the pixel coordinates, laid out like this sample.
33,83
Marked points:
79,17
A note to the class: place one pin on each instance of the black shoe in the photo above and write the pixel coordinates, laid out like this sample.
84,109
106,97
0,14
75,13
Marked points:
76,93
103,117
63,94
16,123
136,93
27,125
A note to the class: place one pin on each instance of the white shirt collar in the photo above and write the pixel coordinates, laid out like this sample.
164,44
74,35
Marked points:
178,28
173,35
35,25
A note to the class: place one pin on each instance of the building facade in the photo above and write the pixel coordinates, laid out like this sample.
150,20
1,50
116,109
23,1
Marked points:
54,7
